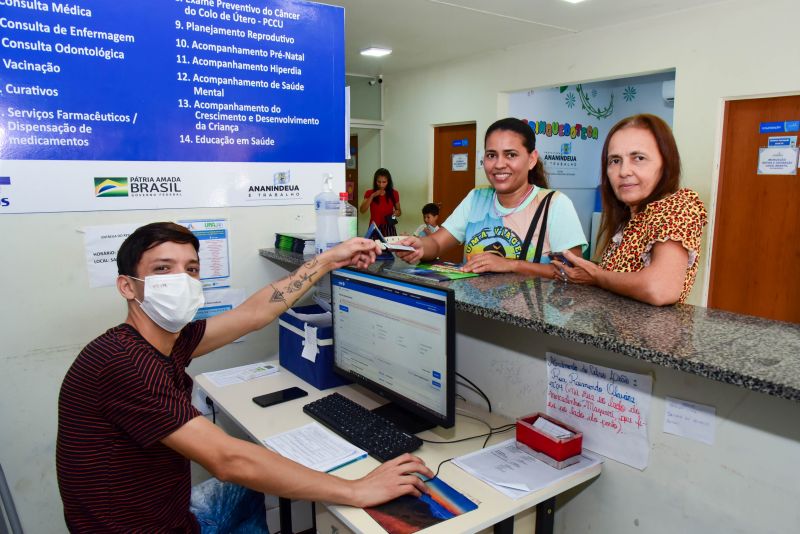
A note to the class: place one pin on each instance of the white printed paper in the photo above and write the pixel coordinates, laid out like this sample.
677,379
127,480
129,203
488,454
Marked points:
242,373
316,319
609,406
777,160
690,420
310,348
315,447
514,472
219,301
460,162
101,244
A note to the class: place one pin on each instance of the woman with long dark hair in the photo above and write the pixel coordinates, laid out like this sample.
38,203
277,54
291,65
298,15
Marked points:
383,202
516,223
650,229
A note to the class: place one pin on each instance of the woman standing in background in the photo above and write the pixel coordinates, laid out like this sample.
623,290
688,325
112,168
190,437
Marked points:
383,202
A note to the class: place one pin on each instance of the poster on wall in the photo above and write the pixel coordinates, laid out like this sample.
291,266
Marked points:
152,104
215,262
571,121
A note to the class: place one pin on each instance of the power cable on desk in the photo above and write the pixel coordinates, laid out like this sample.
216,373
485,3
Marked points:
436,474
492,431
477,390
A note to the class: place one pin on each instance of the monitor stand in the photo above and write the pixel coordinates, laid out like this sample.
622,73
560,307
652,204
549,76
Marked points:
404,419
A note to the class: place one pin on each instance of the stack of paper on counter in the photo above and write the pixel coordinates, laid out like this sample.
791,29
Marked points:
315,447
243,373
516,473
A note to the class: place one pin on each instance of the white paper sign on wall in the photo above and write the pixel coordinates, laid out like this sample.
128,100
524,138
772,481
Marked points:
611,407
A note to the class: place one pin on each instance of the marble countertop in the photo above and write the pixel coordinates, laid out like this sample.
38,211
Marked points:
743,350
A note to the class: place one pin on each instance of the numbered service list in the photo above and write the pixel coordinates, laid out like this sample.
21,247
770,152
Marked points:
172,80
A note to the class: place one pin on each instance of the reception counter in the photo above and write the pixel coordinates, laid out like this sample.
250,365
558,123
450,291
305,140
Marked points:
745,370
745,351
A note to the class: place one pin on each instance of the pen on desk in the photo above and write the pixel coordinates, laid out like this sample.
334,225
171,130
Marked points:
347,463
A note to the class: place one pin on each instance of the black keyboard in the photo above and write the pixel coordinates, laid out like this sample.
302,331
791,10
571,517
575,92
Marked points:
381,438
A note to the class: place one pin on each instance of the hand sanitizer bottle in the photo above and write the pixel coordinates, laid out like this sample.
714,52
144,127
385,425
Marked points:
326,207
347,222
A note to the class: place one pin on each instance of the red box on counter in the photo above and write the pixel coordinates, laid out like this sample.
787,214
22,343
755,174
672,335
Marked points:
558,452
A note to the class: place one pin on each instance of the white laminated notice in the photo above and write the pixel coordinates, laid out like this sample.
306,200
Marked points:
310,349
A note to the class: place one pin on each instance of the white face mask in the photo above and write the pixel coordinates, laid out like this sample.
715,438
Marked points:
171,300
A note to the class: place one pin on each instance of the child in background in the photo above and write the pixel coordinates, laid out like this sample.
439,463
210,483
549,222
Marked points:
430,214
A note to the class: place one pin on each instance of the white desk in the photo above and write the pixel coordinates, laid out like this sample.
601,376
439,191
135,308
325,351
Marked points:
494,508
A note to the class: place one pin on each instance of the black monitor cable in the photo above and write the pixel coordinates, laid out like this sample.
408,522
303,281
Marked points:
492,431
210,404
478,390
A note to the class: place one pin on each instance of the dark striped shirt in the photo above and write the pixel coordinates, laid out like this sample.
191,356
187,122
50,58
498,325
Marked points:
118,400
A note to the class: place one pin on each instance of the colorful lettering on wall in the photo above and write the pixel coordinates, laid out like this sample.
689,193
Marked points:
557,129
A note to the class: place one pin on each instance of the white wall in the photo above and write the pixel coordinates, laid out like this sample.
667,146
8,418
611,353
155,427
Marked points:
48,313
733,49
746,482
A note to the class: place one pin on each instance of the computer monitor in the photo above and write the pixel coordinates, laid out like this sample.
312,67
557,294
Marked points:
397,338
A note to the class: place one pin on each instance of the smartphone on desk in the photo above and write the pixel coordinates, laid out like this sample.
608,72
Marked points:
277,397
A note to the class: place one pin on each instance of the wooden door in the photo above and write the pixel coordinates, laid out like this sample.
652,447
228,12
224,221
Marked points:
453,178
755,262
351,172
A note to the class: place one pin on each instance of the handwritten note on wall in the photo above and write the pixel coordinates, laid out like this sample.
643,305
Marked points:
609,406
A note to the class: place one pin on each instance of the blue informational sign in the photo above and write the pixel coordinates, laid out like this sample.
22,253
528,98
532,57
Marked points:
779,127
784,140
156,80
771,127
461,142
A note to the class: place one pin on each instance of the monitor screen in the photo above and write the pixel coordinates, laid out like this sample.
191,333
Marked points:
397,338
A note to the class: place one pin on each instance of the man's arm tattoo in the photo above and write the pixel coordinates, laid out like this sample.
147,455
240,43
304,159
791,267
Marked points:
277,296
297,280
296,284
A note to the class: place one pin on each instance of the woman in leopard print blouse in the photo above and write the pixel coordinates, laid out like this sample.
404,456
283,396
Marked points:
650,230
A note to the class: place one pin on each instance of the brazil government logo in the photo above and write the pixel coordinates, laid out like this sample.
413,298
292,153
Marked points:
282,187
111,187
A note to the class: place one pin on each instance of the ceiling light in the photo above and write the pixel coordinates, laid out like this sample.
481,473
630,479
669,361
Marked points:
574,1
376,51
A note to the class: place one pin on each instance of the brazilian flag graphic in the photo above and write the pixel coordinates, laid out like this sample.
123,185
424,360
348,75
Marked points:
111,187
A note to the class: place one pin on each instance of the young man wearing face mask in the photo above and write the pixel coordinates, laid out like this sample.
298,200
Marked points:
127,430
